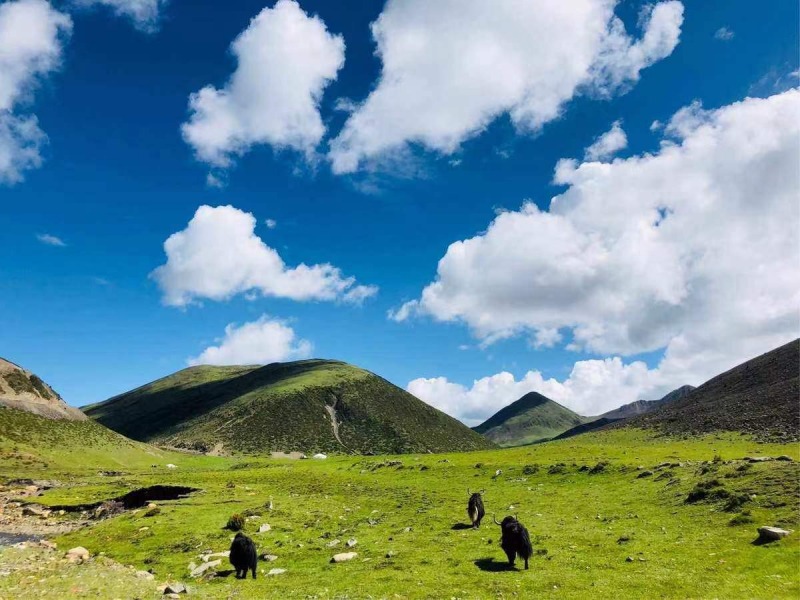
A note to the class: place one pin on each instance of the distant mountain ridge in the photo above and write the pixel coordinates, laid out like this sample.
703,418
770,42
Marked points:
640,407
307,406
532,418
22,390
758,397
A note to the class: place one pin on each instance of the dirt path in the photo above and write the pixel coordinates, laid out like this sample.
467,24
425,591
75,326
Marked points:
334,421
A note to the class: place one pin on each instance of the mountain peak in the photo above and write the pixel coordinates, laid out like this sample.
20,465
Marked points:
23,390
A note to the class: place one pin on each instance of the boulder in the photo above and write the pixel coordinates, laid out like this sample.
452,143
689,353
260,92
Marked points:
78,554
771,534
320,456
343,557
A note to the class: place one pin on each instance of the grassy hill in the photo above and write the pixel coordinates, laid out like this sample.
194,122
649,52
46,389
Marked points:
532,418
32,442
758,397
307,406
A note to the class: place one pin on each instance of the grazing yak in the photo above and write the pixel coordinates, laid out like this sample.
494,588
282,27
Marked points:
475,508
515,540
243,556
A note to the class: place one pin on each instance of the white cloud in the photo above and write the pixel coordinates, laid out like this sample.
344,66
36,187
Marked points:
219,255
285,60
271,223
453,66
593,387
259,342
608,144
692,249
50,240
143,13
724,34
32,36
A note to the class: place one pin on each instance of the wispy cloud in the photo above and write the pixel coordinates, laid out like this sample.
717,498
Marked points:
50,240
724,34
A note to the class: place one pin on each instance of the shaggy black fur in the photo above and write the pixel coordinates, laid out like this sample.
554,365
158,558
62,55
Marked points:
243,556
475,510
515,540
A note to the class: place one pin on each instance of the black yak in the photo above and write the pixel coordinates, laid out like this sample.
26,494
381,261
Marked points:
515,540
243,556
475,509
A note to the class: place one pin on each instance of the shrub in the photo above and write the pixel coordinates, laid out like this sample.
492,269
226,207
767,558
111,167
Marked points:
598,468
235,522
743,518
530,469
557,469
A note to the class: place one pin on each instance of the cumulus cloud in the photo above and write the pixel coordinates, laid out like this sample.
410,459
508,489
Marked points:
219,255
453,66
691,249
144,13
285,58
608,144
32,36
260,342
593,387
50,240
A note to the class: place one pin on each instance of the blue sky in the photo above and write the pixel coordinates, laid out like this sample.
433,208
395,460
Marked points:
117,179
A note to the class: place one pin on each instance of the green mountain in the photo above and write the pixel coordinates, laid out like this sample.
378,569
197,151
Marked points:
306,406
758,397
530,419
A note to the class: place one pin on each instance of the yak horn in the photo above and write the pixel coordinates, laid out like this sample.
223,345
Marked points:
496,522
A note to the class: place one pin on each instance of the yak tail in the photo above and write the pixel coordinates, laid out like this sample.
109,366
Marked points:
526,550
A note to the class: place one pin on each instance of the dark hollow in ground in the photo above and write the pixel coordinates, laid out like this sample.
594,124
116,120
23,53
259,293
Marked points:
137,498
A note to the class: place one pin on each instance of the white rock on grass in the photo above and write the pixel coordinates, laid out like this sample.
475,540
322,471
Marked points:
276,571
198,571
352,543
772,534
268,557
343,557
208,557
333,543
78,554
264,528
320,456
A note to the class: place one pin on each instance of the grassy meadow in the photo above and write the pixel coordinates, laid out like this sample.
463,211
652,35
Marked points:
408,515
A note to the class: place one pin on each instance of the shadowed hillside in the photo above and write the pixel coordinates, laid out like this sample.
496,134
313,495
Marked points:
308,406
759,397
530,419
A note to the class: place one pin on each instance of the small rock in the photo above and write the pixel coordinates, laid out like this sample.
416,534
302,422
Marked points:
644,474
629,559
758,459
268,557
333,543
343,557
352,542
143,528
264,528
213,555
320,456
78,554
390,554
276,571
175,588
145,575
173,596
408,529
30,511
171,466
152,505
198,571
785,458
48,544
771,534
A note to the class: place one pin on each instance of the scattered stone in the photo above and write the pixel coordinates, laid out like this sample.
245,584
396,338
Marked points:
78,554
771,534
497,473
758,459
320,456
48,544
145,575
268,557
352,543
171,466
343,557
276,571
623,538
152,512
629,559
390,554
143,528
786,458
333,543
152,505
663,465
198,571
31,511
175,588
644,474
264,528
408,530
213,555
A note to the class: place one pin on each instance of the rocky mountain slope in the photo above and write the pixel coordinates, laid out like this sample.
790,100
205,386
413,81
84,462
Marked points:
22,390
758,397
306,406
530,419
641,407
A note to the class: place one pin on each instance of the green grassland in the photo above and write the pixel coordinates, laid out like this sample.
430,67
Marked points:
585,520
